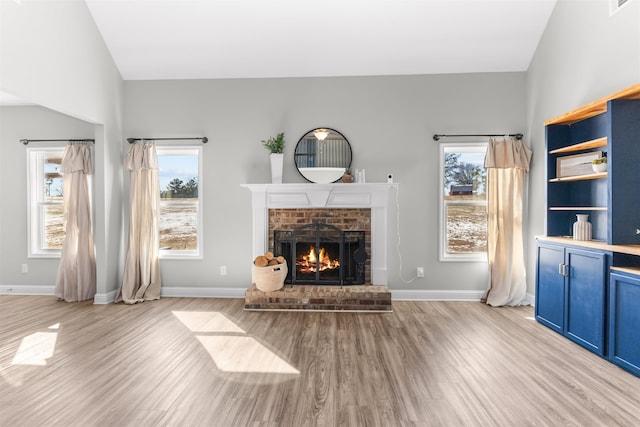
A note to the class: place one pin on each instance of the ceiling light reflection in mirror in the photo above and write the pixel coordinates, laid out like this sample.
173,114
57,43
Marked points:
322,155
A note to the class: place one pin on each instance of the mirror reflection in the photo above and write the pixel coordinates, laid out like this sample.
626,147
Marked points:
322,155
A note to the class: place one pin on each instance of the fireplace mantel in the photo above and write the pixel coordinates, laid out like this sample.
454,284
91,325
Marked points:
296,196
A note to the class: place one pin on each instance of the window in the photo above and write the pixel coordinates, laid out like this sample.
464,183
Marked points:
180,172
45,202
463,207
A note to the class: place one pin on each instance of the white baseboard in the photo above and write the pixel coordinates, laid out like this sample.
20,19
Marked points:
179,292
107,298
445,295
429,295
176,292
197,292
27,290
531,299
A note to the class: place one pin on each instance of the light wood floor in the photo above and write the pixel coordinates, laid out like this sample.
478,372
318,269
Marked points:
184,362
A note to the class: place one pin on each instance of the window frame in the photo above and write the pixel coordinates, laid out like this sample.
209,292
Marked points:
184,149
36,202
444,256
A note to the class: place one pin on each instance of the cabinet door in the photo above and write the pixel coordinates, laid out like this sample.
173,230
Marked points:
624,321
550,291
585,298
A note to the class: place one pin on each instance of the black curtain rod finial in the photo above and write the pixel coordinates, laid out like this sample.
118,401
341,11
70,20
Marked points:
205,139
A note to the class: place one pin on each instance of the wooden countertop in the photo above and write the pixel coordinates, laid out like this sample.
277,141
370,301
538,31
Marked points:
631,270
593,244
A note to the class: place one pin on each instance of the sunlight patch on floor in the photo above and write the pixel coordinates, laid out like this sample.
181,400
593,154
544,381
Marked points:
244,354
35,349
207,321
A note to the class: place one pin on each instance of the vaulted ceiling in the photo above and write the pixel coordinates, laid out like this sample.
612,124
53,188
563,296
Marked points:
214,39
199,39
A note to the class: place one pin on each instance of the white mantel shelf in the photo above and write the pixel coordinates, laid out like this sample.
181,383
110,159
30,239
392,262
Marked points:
320,195
374,196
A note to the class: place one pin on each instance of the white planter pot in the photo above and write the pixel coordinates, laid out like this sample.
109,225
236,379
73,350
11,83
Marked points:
277,162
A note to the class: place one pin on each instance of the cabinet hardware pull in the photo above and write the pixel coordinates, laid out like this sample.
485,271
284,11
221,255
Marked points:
562,270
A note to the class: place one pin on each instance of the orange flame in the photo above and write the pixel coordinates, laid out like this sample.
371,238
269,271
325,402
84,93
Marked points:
310,263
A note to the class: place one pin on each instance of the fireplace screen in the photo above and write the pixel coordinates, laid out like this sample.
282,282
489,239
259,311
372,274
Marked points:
323,254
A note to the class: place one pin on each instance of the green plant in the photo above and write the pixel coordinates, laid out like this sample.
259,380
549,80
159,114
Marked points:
275,145
599,160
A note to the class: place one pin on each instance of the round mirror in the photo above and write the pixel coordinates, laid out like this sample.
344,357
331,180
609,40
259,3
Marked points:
322,155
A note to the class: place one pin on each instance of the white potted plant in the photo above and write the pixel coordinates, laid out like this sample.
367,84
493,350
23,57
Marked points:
599,165
275,145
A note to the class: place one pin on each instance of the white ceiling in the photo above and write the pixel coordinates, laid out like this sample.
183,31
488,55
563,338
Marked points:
213,39
188,39
8,100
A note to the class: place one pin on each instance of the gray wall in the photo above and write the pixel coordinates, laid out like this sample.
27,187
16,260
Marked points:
26,123
584,55
52,54
389,122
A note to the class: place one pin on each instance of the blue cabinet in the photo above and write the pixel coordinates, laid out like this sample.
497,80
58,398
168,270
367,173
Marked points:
624,320
571,288
550,287
576,295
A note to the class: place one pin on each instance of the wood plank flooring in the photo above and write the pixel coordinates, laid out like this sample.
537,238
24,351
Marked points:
193,362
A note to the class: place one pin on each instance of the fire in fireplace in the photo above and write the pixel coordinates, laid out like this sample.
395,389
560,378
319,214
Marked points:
323,254
311,262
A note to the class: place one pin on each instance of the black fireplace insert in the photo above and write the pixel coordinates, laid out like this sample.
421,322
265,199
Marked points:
322,254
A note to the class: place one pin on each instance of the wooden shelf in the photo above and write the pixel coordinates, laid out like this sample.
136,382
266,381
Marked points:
596,107
580,177
594,143
578,208
631,270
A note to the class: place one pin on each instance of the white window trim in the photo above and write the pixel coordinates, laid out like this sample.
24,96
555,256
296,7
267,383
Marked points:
35,229
163,149
444,256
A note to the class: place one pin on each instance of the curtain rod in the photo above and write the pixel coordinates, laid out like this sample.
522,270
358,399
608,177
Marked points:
437,137
204,139
26,141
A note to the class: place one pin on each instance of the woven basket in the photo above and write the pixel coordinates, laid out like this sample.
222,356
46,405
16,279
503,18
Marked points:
270,278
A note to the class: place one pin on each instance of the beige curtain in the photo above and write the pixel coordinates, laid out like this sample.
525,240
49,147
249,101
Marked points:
76,278
141,279
506,161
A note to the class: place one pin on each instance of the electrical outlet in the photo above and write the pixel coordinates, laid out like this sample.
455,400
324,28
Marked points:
420,272
25,268
223,270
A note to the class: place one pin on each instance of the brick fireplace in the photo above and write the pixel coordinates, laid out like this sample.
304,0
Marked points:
354,223
357,208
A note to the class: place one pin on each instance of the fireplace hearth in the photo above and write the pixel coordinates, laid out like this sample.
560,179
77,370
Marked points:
322,254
